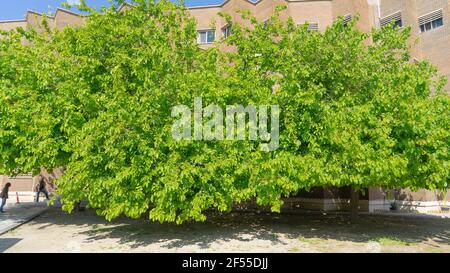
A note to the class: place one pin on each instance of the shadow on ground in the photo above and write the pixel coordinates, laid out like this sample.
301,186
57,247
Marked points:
249,226
6,243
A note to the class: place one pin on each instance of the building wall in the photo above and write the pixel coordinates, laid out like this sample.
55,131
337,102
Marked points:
18,183
365,9
11,25
61,19
433,45
35,20
315,11
65,18
28,182
207,17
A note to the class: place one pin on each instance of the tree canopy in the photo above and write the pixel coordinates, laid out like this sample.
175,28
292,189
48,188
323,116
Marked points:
96,100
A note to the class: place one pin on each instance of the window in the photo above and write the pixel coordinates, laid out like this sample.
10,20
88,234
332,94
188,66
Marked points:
206,36
347,19
431,21
226,31
396,18
312,26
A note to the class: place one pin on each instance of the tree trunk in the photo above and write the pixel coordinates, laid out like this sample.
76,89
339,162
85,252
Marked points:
78,207
354,204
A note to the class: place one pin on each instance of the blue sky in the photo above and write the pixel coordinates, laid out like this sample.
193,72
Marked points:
16,9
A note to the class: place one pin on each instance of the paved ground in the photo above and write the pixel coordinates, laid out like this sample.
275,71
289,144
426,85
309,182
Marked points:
17,214
55,231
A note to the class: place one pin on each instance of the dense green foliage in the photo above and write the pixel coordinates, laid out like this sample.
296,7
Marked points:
97,100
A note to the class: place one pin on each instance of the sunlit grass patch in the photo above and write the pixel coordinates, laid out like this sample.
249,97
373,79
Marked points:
390,241
313,240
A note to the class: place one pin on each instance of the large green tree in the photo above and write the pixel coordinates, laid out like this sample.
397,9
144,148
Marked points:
97,100
357,110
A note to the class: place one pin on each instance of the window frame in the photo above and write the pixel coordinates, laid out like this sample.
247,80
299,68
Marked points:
309,23
206,31
430,26
227,30
347,18
383,20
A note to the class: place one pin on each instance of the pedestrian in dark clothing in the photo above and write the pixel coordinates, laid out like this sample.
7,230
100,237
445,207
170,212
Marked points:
4,196
41,188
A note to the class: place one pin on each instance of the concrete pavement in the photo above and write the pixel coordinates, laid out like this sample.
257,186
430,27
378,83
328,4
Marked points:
18,214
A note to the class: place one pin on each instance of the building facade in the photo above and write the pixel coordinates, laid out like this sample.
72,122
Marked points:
430,23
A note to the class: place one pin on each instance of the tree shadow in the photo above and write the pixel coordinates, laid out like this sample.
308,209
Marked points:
271,228
6,243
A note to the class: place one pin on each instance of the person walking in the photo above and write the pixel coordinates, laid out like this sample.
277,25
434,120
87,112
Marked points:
41,188
4,196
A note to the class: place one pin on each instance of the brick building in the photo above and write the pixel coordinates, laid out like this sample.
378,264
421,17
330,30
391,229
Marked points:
429,20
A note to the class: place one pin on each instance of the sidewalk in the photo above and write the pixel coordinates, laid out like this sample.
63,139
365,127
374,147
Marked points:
18,214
